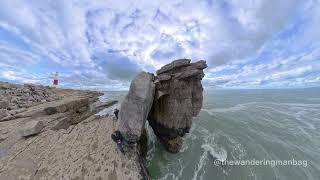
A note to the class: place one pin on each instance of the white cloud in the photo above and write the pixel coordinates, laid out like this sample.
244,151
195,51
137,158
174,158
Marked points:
294,73
114,39
15,77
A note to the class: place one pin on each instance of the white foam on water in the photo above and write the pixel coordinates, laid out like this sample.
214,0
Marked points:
207,137
172,175
201,163
245,106
297,104
215,151
184,147
235,108
298,111
301,117
313,99
181,170
238,152
109,110
166,176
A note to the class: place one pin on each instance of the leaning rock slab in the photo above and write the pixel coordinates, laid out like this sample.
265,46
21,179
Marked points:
31,128
178,98
135,107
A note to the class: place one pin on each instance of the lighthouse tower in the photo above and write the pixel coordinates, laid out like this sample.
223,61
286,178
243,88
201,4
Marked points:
56,80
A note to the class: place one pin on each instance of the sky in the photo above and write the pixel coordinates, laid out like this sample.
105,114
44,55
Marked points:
103,44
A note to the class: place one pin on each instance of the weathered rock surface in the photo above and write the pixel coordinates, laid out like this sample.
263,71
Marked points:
99,106
14,97
136,106
73,144
3,113
178,98
4,104
31,128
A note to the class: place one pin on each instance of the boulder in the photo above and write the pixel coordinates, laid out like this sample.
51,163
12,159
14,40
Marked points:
177,100
31,128
135,107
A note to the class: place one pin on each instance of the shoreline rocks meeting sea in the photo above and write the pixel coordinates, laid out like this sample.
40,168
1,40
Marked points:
53,133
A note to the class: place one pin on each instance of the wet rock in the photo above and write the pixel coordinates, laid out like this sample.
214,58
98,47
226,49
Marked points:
135,107
31,128
172,145
177,100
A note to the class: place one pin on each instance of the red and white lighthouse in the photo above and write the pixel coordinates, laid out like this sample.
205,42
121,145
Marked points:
56,79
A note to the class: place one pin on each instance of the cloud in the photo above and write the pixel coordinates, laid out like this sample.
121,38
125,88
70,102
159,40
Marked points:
116,66
293,73
97,42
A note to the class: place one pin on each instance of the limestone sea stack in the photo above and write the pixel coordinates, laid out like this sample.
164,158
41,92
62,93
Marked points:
178,98
168,101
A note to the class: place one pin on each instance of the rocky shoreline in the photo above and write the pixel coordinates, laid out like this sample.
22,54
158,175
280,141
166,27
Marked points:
49,133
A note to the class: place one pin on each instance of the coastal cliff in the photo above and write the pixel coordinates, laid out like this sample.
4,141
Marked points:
48,133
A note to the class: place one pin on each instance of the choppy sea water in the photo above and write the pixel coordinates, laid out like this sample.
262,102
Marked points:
247,125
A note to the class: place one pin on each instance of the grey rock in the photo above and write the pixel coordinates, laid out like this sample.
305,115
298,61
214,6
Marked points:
4,104
135,107
14,100
200,64
63,123
31,128
188,73
176,102
5,86
3,113
72,106
12,106
17,111
173,65
163,77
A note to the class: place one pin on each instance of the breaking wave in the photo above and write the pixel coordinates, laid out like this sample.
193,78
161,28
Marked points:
216,152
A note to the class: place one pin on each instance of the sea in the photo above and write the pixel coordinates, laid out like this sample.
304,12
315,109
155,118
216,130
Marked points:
259,134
